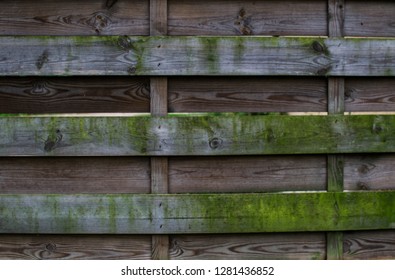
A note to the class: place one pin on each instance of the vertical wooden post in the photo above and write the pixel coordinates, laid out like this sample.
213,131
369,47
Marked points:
159,165
335,163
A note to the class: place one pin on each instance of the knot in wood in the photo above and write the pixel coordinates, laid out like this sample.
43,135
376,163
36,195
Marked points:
377,128
50,247
318,47
125,43
215,143
99,21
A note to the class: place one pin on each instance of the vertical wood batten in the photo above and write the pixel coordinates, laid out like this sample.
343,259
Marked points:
159,107
335,163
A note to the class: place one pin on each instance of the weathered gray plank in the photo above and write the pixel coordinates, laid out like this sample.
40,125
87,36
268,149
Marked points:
74,175
365,245
74,17
369,18
279,246
74,247
373,94
74,95
370,172
223,134
247,174
204,213
235,17
247,94
112,55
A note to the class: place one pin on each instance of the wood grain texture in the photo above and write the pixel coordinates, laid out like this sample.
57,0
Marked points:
373,94
218,134
158,17
280,246
74,247
74,175
334,245
159,165
247,94
369,172
197,213
236,17
159,96
336,18
334,240
246,174
178,55
369,19
89,17
365,245
74,95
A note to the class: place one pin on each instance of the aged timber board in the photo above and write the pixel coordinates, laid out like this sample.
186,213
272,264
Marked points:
204,213
222,134
183,55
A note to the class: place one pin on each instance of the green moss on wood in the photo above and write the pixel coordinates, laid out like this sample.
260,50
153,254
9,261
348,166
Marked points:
199,213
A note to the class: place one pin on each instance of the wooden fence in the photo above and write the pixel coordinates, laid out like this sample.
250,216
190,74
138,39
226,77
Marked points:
224,181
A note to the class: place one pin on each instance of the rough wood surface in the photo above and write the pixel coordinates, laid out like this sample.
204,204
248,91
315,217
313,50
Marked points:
74,95
369,18
222,134
364,245
370,172
373,94
74,17
246,174
281,246
197,213
247,94
252,55
159,107
74,175
235,17
74,247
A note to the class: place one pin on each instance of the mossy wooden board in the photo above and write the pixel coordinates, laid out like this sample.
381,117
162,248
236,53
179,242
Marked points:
177,135
197,213
183,55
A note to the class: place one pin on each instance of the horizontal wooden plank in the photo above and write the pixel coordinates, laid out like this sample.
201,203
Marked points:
373,94
203,213
122,55
74,95
247,174
369,172
235,17
74,247
369,18
247,94
365,245
74,175
74,17
213,134
278,246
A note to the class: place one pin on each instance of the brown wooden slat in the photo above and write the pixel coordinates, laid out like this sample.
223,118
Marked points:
247,94
159,165
74,175
370,172
369,18
263,246
246,174
74,247
366,245
235,17
373,94
74,95
74,17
